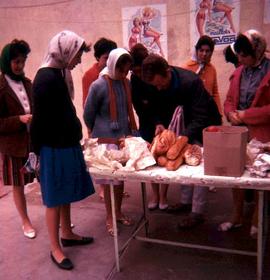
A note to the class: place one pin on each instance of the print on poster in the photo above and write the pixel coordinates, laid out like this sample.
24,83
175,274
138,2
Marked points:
215,18
266,18
146,25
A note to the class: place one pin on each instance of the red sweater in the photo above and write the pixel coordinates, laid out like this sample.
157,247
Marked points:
257,117
88,78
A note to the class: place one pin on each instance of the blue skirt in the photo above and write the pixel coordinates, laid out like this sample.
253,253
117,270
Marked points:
63,176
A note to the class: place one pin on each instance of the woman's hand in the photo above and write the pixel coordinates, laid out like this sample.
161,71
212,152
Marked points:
26,118
235,117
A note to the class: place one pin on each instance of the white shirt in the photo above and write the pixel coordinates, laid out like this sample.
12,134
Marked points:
19,89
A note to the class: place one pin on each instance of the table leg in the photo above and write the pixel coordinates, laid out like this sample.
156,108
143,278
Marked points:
115,237
260,235
144,203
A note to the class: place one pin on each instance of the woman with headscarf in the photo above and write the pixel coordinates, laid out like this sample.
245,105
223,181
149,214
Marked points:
248,103
56,133
15,117
109,116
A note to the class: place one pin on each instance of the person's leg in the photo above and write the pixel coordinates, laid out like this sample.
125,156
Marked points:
230,20
238,206
227,13
120,217
20,203
236,219
163,202
186,194
159,45
154,200
107,200
53,220
69,238
118,195
66,226
199,199
108,206
200,24
185,201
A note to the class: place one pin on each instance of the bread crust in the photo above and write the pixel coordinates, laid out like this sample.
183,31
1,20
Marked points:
177,147
193,155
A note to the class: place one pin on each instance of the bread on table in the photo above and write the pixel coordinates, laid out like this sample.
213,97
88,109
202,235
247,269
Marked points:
177,147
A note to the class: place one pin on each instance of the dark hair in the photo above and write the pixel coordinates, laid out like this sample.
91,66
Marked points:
230,56
19,47
205,40
85,47
103,46
123,60
154,65
243,45
138,52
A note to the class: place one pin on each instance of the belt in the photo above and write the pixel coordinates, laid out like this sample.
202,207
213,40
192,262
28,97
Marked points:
103,140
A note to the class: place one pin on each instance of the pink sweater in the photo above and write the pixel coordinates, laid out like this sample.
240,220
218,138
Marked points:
257,117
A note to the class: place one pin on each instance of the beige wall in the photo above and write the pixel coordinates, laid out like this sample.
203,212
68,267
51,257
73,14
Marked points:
36,21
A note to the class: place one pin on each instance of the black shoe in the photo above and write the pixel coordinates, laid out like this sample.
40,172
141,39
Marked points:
75,242
64,264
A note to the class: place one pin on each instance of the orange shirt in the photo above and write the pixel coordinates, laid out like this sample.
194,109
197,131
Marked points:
209,77
88,78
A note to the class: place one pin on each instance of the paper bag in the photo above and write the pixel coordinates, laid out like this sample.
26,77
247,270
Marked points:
225,150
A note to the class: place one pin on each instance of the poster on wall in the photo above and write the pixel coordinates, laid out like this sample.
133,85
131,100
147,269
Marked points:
146,25
266,18
215,18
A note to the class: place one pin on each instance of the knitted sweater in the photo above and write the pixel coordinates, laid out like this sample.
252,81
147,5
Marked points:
54,122
97,110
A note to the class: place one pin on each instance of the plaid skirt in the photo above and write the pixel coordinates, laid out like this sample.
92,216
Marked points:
12,173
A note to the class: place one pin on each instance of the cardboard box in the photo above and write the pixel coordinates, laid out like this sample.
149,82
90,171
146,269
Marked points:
225,150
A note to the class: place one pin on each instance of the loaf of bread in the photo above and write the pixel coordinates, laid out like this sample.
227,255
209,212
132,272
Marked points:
162,142
177,147
153,146
162,161
173,165
193,155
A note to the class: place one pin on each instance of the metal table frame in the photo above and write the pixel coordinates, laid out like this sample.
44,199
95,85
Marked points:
192,176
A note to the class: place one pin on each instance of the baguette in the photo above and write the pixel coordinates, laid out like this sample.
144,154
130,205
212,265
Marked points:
193,155
177,147
173,165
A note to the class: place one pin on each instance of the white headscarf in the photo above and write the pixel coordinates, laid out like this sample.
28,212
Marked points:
111,62
258,43
62,49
